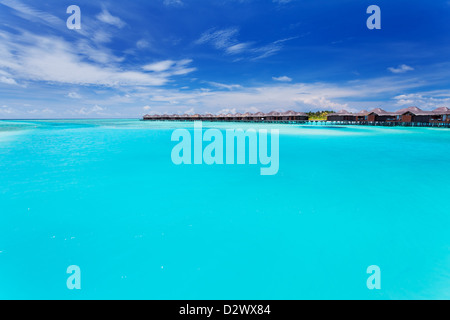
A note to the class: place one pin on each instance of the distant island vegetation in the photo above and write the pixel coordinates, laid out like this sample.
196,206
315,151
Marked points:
318,115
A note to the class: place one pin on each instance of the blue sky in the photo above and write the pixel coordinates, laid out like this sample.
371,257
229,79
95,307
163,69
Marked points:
194,56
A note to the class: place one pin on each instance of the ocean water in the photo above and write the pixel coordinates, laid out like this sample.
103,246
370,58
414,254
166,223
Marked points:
104,195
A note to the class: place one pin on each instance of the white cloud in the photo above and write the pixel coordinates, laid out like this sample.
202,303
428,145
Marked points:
103,56
225,111
29,13
41,111
74,95
142,44
159,66
227,41
51,59
220,39
7,80
190,111
176,3
238,48
282,79
401,69
102,37
282,1
106,17
4,109
95,110
425,101
225,86
170,67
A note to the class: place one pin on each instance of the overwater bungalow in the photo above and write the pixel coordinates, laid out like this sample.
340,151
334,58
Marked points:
247,117
414,114
362,115
440,115
208,116
274,116
342,115
294,116
288,115
229,117
259,116
380,115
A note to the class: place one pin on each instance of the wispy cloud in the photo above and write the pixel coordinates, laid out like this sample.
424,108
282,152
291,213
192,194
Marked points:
95,110
227,41
225,86
170,67
220,39
176,3
4,109
159,66
7,80
401,69
74,95
37,58
108,18
282,1
29,13
426,100
282,79
238,48
41,112
142,44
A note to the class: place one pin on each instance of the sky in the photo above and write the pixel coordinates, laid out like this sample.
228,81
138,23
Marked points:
138,57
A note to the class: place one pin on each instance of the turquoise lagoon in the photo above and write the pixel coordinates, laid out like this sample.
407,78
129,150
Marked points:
104,195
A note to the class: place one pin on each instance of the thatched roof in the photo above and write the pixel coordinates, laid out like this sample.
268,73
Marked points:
381,112
442,110
415,111
293,113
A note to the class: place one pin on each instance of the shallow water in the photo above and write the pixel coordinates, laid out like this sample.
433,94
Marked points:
105,195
